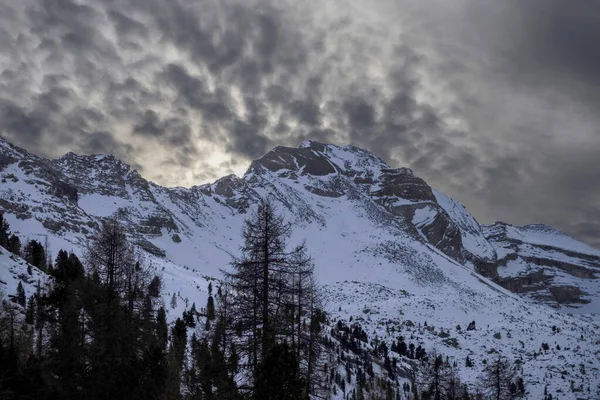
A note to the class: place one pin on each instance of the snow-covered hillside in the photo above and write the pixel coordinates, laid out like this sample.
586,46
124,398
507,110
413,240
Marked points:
388,249
13,270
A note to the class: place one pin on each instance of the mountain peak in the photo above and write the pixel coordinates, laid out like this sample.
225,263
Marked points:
310,143
318,159
301,160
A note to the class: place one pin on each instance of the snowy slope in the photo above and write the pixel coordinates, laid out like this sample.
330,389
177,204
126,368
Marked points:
547,265
387,247
546,236
472,235
14,270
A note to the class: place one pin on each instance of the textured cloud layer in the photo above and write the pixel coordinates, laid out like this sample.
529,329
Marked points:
495,103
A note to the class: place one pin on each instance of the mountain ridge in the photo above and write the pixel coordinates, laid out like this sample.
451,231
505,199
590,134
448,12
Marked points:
390,251
327,171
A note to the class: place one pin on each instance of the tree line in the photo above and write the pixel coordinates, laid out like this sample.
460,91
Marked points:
33,251
98,329
89,332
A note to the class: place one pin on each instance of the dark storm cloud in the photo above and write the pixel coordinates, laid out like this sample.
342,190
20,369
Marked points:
307,112
247,139
105,143
17,121
172,131
191,89
546,51
360,114
126,25
562,37
150,125
476,97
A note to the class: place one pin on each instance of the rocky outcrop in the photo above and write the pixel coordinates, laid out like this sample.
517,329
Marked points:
63,189
401,183
568,295
156,223
577,271
305,160
532,282
544,263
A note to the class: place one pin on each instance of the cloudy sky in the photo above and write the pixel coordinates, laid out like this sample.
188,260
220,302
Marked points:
496,103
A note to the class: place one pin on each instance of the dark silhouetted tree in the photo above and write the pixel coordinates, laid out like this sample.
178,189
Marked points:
20,297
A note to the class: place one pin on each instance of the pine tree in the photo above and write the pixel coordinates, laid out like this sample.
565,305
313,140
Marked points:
497,379
20,297
111,256
67,346
278,376
30,311
275,298
468,362
402,348
162,329
14,245
4,232
35,254
210,308
154,287
116,301
176,358
431,376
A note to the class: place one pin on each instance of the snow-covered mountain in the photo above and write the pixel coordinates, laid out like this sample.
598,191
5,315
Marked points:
392,252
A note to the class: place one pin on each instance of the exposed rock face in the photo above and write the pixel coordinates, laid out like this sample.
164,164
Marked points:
62,189
70,197
304,160
532,282
545,263
401,183
567,295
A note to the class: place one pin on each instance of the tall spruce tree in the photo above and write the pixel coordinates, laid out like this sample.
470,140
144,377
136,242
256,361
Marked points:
14,245
497,378
431,377
176,358
4,232
67,355
111,256
20,297
273,300
35,254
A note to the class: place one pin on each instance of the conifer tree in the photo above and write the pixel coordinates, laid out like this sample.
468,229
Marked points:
274,300
111,256
14,245
4,232
35,254
154,286
210,308
20,297
175,358
431,376
66,357
497,378
30,311
278,375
